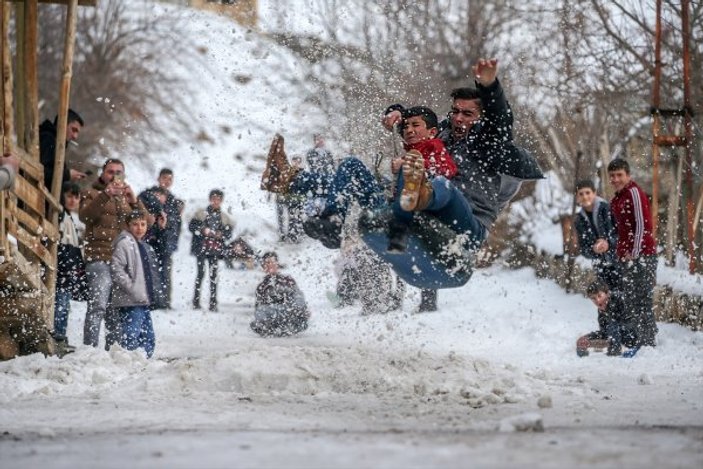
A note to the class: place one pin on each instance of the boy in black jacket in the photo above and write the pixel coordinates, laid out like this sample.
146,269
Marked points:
615,326
596,233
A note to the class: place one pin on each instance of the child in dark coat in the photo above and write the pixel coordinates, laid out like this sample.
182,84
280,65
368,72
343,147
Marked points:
280,308
596,233
616,327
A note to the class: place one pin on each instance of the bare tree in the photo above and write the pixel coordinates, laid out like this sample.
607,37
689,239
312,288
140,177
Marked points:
121,70
373,54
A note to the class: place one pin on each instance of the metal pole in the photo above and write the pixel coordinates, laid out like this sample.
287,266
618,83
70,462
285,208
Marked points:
685,27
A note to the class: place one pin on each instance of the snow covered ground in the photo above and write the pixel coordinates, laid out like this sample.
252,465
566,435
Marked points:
491,380
472,384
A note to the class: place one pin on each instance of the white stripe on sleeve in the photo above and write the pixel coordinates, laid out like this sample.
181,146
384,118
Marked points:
639,222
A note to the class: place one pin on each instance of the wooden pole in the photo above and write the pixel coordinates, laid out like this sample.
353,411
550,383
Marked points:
3,44
7,117
673,211
19,88
64,96
656,123
31,122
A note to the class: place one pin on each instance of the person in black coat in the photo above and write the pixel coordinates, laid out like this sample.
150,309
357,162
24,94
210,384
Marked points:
164,235
47,147
280,308
211,228
616,326
596,232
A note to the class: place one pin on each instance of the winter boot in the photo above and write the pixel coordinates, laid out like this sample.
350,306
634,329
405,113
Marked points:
413,177
326,229
425,196
278,173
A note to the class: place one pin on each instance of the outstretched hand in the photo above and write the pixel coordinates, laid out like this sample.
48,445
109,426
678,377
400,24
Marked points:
485,71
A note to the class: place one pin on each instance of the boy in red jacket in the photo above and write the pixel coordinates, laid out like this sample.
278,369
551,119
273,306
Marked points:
426,159
636,248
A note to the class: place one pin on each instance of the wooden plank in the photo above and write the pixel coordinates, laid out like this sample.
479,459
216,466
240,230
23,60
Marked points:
50,199
31,122
4,243
31,224
21,279
33,244
30,195
30,166
36,227
51,231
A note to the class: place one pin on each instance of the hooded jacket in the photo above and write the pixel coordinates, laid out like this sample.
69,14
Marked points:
129,282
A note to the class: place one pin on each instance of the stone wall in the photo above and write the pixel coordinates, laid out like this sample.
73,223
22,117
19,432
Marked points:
669,305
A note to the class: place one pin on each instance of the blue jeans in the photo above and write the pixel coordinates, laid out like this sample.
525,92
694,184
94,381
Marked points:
449,206
61,309
311,185
137,329
352,181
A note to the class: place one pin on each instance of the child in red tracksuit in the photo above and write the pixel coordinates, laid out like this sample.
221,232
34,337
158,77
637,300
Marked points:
426,159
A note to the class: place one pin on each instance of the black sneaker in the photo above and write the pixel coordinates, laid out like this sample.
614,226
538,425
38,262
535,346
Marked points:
324,229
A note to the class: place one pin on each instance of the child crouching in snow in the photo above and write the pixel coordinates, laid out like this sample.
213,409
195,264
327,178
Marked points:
616,327
135,284
280,308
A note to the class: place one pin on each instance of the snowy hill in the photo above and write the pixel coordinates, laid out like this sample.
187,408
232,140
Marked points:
491,380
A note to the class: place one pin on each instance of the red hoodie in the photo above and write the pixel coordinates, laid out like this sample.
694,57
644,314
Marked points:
633,220
438,161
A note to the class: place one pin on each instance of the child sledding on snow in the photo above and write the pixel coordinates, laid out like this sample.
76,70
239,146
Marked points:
616,327
280,308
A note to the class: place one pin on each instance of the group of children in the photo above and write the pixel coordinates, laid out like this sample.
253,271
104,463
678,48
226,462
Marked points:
625,316
280,308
